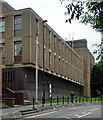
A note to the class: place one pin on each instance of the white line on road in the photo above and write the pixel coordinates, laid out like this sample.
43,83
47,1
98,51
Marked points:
67,117
84,115
94,109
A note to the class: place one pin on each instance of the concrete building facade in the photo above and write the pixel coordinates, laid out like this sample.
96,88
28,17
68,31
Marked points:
80,47
0,72
64,68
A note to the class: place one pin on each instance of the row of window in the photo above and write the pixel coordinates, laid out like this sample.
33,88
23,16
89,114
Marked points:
8,77
17,52
18,29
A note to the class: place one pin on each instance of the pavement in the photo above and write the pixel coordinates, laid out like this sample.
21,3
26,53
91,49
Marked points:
20,111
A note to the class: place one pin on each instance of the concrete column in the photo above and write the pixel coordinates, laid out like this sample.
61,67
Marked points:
9,45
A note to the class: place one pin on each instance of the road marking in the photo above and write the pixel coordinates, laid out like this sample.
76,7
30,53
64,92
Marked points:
40,115
94,109
84,115
67,117
77,115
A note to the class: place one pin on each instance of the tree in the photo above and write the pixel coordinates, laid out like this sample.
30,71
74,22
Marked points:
96,80
86,12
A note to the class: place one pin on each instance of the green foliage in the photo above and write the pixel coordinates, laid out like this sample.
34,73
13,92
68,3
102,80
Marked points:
86,12
74,100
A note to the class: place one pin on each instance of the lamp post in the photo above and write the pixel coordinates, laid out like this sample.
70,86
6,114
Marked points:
44,21
36,68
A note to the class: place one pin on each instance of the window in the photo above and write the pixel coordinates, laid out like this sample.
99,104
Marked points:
59,65
17,25
54,42
17,51
49,59
2,24
36,27
54,62
17,48
63,47
59,46
49,38
63,66
3,77
2,27
8,76
3,53
3,50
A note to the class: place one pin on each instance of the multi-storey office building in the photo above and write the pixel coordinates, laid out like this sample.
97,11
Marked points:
82,43
80,46
64,68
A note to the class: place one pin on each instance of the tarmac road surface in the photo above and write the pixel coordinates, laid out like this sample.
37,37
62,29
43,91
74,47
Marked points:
94,111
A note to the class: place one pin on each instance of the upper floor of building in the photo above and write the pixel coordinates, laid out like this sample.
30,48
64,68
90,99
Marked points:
19,31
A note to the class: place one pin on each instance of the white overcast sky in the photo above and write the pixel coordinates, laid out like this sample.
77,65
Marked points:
53,11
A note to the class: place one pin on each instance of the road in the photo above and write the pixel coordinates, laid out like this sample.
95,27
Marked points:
93,111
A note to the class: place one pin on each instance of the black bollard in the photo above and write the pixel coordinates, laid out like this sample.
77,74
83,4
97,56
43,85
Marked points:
76,99
71,99
50,101
83,100
42,101
63,99
57,100
68,99
79,100
33,102
95,99
91,99
86,99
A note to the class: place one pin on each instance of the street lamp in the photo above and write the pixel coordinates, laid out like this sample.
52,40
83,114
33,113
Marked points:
44,21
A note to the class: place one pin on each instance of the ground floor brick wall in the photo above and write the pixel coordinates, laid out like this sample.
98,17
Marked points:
24,80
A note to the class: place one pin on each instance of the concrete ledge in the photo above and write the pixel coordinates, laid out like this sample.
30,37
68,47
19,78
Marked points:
9,102
2,103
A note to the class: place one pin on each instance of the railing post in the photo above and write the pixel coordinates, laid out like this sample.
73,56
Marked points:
42,101
76,99
68,99
83,99
86,99
57,100
91,99
50,101
79,100
33,102
95,99
63,99
71,99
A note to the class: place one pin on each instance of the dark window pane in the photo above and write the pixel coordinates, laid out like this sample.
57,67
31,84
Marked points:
2,25
11,77
17,49
2,35
3,50
8,77
3,61
3,76
17,33
18,27
17,21
17,59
